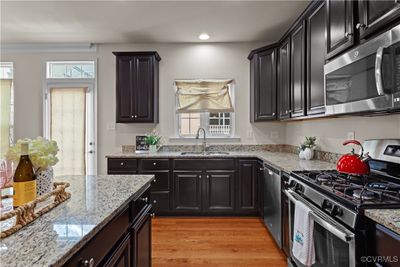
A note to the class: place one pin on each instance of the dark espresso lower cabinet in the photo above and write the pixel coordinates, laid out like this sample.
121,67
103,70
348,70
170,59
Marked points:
141,241
219,191
122,257
247,193
187,191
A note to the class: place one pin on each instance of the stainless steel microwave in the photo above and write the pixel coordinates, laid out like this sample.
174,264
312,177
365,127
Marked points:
366,78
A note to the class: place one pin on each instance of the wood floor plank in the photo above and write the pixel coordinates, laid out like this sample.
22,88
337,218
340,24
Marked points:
210,241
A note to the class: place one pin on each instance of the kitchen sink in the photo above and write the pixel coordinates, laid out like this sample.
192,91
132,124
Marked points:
206,153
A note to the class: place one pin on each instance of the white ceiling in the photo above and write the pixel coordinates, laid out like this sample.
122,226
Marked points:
145,21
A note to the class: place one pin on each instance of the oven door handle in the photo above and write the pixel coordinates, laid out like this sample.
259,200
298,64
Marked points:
321,218
378,71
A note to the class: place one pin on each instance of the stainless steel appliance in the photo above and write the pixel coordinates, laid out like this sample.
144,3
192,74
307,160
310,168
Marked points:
366,78
338,201
272,202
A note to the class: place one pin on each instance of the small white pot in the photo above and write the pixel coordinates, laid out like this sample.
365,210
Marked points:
308,153
301,154
152,149
44,181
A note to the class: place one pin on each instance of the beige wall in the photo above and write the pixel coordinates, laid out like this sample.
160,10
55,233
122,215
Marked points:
331,133
178,61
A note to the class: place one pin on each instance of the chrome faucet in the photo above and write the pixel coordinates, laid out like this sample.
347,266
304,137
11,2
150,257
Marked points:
204,138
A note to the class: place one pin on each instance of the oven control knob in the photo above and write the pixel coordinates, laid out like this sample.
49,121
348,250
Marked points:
336,211
326,205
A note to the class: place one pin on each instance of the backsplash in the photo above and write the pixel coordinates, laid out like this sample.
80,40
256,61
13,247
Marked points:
283,148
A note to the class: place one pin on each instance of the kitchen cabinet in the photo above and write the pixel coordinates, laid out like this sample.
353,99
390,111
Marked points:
315,96
375,15
141,240
339,26
260,186
137,87
219,195
284,79
247,184
263,85
122,257
298,65
187,190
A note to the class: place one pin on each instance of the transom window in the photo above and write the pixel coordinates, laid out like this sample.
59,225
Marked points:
216,124
70,69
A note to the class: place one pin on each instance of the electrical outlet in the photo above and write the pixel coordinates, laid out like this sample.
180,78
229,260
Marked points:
110,126
274,135
351,135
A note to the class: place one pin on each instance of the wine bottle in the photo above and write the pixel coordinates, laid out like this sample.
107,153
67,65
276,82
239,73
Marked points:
24,179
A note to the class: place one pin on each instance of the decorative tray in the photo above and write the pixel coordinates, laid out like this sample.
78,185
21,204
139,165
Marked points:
30,211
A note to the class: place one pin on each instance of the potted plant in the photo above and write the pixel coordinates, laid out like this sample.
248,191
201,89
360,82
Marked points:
307,148
152,140
42,153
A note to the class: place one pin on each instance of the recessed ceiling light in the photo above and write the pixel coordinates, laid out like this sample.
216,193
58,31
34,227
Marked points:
204,36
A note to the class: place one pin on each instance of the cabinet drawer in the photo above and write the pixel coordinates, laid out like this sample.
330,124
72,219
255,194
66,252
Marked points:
100,245
155,164
161,180
204,164
160,201
122,166
140,204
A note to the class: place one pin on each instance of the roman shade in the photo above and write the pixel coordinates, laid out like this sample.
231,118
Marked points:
5,109
195,96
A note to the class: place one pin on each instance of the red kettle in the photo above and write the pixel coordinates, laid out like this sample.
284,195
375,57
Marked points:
353,163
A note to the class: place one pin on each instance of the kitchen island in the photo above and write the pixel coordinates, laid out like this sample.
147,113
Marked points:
101,219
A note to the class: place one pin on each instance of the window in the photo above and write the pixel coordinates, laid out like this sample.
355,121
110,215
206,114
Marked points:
216,124
70,69
6,107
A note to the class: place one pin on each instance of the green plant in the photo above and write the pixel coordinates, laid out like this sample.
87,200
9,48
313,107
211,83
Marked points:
42,152
309,142
152,139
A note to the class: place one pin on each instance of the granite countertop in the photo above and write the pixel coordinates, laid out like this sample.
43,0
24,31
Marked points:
54,237
287,162
387,217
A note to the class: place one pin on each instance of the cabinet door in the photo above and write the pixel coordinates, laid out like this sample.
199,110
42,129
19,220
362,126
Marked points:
376,14
219,193
160,201
187,191
141,241
247,188
284,79
125,93
260,186
339,26
265,86
297,71
122,256
144,88
315,61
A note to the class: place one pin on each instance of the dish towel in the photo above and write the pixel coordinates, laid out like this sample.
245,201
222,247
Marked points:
303,238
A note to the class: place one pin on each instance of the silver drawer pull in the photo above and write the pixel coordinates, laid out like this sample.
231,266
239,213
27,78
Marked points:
154,180
144,199
154,163
154,201
152,214
122,164
88,263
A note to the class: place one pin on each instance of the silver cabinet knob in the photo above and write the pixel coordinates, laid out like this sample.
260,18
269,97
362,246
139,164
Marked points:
273,114
154,163
348,34
361,26
144,199
261,169
135,116
122,164
208,176
154,201
152,214
199,176
155,180
88,263
132,116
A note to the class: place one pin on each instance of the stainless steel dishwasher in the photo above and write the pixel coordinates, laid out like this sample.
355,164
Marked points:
272,202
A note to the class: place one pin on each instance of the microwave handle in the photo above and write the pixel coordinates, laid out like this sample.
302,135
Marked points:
378,71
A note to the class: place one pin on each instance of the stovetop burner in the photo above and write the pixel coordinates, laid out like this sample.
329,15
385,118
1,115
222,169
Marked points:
371,190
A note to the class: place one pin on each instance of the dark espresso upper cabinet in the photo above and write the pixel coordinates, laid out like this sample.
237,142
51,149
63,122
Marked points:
263,85
315,61
374,15
298,65
339,26
284,79
137,87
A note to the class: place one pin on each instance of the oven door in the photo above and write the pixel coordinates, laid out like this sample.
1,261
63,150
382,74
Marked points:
334,244
366,78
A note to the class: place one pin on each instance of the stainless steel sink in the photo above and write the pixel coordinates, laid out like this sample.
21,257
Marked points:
207,153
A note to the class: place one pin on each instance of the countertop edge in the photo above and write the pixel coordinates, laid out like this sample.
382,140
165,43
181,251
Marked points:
99,227
379,216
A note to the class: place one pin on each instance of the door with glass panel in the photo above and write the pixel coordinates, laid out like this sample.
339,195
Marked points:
70,121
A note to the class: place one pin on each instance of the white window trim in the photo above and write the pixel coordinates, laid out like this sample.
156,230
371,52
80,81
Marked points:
204,121
91,84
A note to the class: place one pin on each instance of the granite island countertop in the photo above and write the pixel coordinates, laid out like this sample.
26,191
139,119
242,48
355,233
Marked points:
389,218
54,237
287,162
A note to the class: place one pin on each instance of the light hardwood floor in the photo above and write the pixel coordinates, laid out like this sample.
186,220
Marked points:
222,242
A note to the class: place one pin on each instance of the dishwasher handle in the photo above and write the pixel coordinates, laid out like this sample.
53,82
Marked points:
271,170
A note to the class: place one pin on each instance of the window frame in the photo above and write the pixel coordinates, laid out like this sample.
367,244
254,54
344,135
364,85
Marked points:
205,120
11,129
